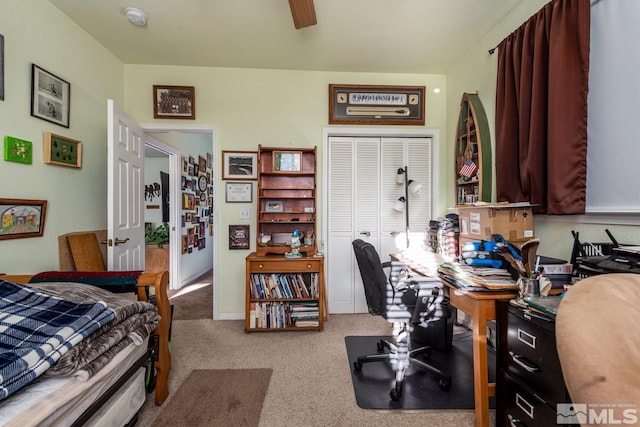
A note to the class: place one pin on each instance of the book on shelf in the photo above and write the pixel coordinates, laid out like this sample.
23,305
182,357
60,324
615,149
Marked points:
306,323
252,315
284,285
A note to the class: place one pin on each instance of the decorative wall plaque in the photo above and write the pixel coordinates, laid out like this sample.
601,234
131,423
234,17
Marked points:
376,105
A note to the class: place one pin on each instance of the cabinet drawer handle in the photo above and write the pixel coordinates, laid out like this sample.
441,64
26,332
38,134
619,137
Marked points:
527,338
526,407
523,362
260,266
308,265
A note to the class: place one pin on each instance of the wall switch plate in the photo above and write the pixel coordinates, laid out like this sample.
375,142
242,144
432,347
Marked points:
245,213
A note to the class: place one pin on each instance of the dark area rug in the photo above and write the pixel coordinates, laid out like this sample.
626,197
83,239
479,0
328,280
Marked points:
218,397
373,383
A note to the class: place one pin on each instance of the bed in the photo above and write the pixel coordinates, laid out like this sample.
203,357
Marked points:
91,368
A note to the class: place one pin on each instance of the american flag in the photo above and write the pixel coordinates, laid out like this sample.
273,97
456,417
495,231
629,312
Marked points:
468,169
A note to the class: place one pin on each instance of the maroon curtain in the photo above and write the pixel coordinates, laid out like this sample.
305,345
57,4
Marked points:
541,110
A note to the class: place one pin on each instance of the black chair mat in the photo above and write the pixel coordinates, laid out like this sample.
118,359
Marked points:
373,383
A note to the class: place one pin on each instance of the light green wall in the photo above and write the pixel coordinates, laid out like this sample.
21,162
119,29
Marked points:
247,106
36,32
476,72
250,107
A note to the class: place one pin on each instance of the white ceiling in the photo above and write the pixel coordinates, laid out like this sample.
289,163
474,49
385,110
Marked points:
390,36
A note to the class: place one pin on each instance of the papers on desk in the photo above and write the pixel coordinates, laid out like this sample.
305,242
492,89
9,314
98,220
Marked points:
477,278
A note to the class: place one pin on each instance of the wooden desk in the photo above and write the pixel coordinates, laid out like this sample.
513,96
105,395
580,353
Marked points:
481,306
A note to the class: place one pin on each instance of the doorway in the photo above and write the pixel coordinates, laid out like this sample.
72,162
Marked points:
173,141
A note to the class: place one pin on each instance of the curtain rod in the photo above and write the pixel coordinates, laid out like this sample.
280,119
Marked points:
593,2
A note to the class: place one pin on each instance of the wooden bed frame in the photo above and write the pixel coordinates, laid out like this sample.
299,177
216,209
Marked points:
159,282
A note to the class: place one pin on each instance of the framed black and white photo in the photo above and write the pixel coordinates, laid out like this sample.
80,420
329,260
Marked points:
50,97
174,102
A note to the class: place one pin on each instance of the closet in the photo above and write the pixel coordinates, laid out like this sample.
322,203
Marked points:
362,190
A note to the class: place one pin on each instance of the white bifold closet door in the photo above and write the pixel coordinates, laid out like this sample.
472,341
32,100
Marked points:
361,192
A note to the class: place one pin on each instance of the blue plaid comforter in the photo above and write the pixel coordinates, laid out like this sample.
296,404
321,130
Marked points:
37,329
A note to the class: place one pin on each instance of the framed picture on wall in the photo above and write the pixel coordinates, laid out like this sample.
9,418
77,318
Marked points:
62,151
239,237
238,165
376,105
239,192
174,102
1,67
50,96
22,218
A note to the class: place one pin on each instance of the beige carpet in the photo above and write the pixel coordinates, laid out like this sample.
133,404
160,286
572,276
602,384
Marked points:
194,300
309,368
218,397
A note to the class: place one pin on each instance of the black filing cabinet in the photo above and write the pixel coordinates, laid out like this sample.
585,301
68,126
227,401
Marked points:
529,376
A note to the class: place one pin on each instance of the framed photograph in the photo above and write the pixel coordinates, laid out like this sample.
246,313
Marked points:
238,165
273,206
239,192
50,97
18,150
202,183
239,237
174,102
22,218
62,151
202,164
287,161
1,67
376,105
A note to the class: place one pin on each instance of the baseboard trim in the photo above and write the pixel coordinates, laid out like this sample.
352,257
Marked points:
231,316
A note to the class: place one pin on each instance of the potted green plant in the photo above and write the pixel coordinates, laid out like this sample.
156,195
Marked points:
158,236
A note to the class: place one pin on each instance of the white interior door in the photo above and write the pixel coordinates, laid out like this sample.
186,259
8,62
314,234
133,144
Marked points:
339,259
125,197
362,191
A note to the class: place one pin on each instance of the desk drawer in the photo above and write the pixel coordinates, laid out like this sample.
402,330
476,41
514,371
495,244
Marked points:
517,407
528,353
288,266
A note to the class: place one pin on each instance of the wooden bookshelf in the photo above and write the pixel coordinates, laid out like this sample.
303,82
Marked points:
472,150
286,199
284,294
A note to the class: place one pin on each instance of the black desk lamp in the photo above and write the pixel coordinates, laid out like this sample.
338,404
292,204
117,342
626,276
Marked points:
410,186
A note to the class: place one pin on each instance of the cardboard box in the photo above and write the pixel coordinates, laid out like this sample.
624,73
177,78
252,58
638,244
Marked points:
513,221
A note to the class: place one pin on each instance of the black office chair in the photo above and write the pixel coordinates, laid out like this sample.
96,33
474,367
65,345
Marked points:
404,301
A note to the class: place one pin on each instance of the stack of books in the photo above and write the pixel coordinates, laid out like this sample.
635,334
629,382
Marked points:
476,278
304,313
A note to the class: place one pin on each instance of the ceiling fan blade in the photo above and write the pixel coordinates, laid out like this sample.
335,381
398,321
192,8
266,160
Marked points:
303,13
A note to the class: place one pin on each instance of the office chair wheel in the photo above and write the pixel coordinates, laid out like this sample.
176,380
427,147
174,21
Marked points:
444,384
396,392
357,366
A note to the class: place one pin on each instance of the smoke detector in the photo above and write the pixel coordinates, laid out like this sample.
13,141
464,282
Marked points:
136,16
